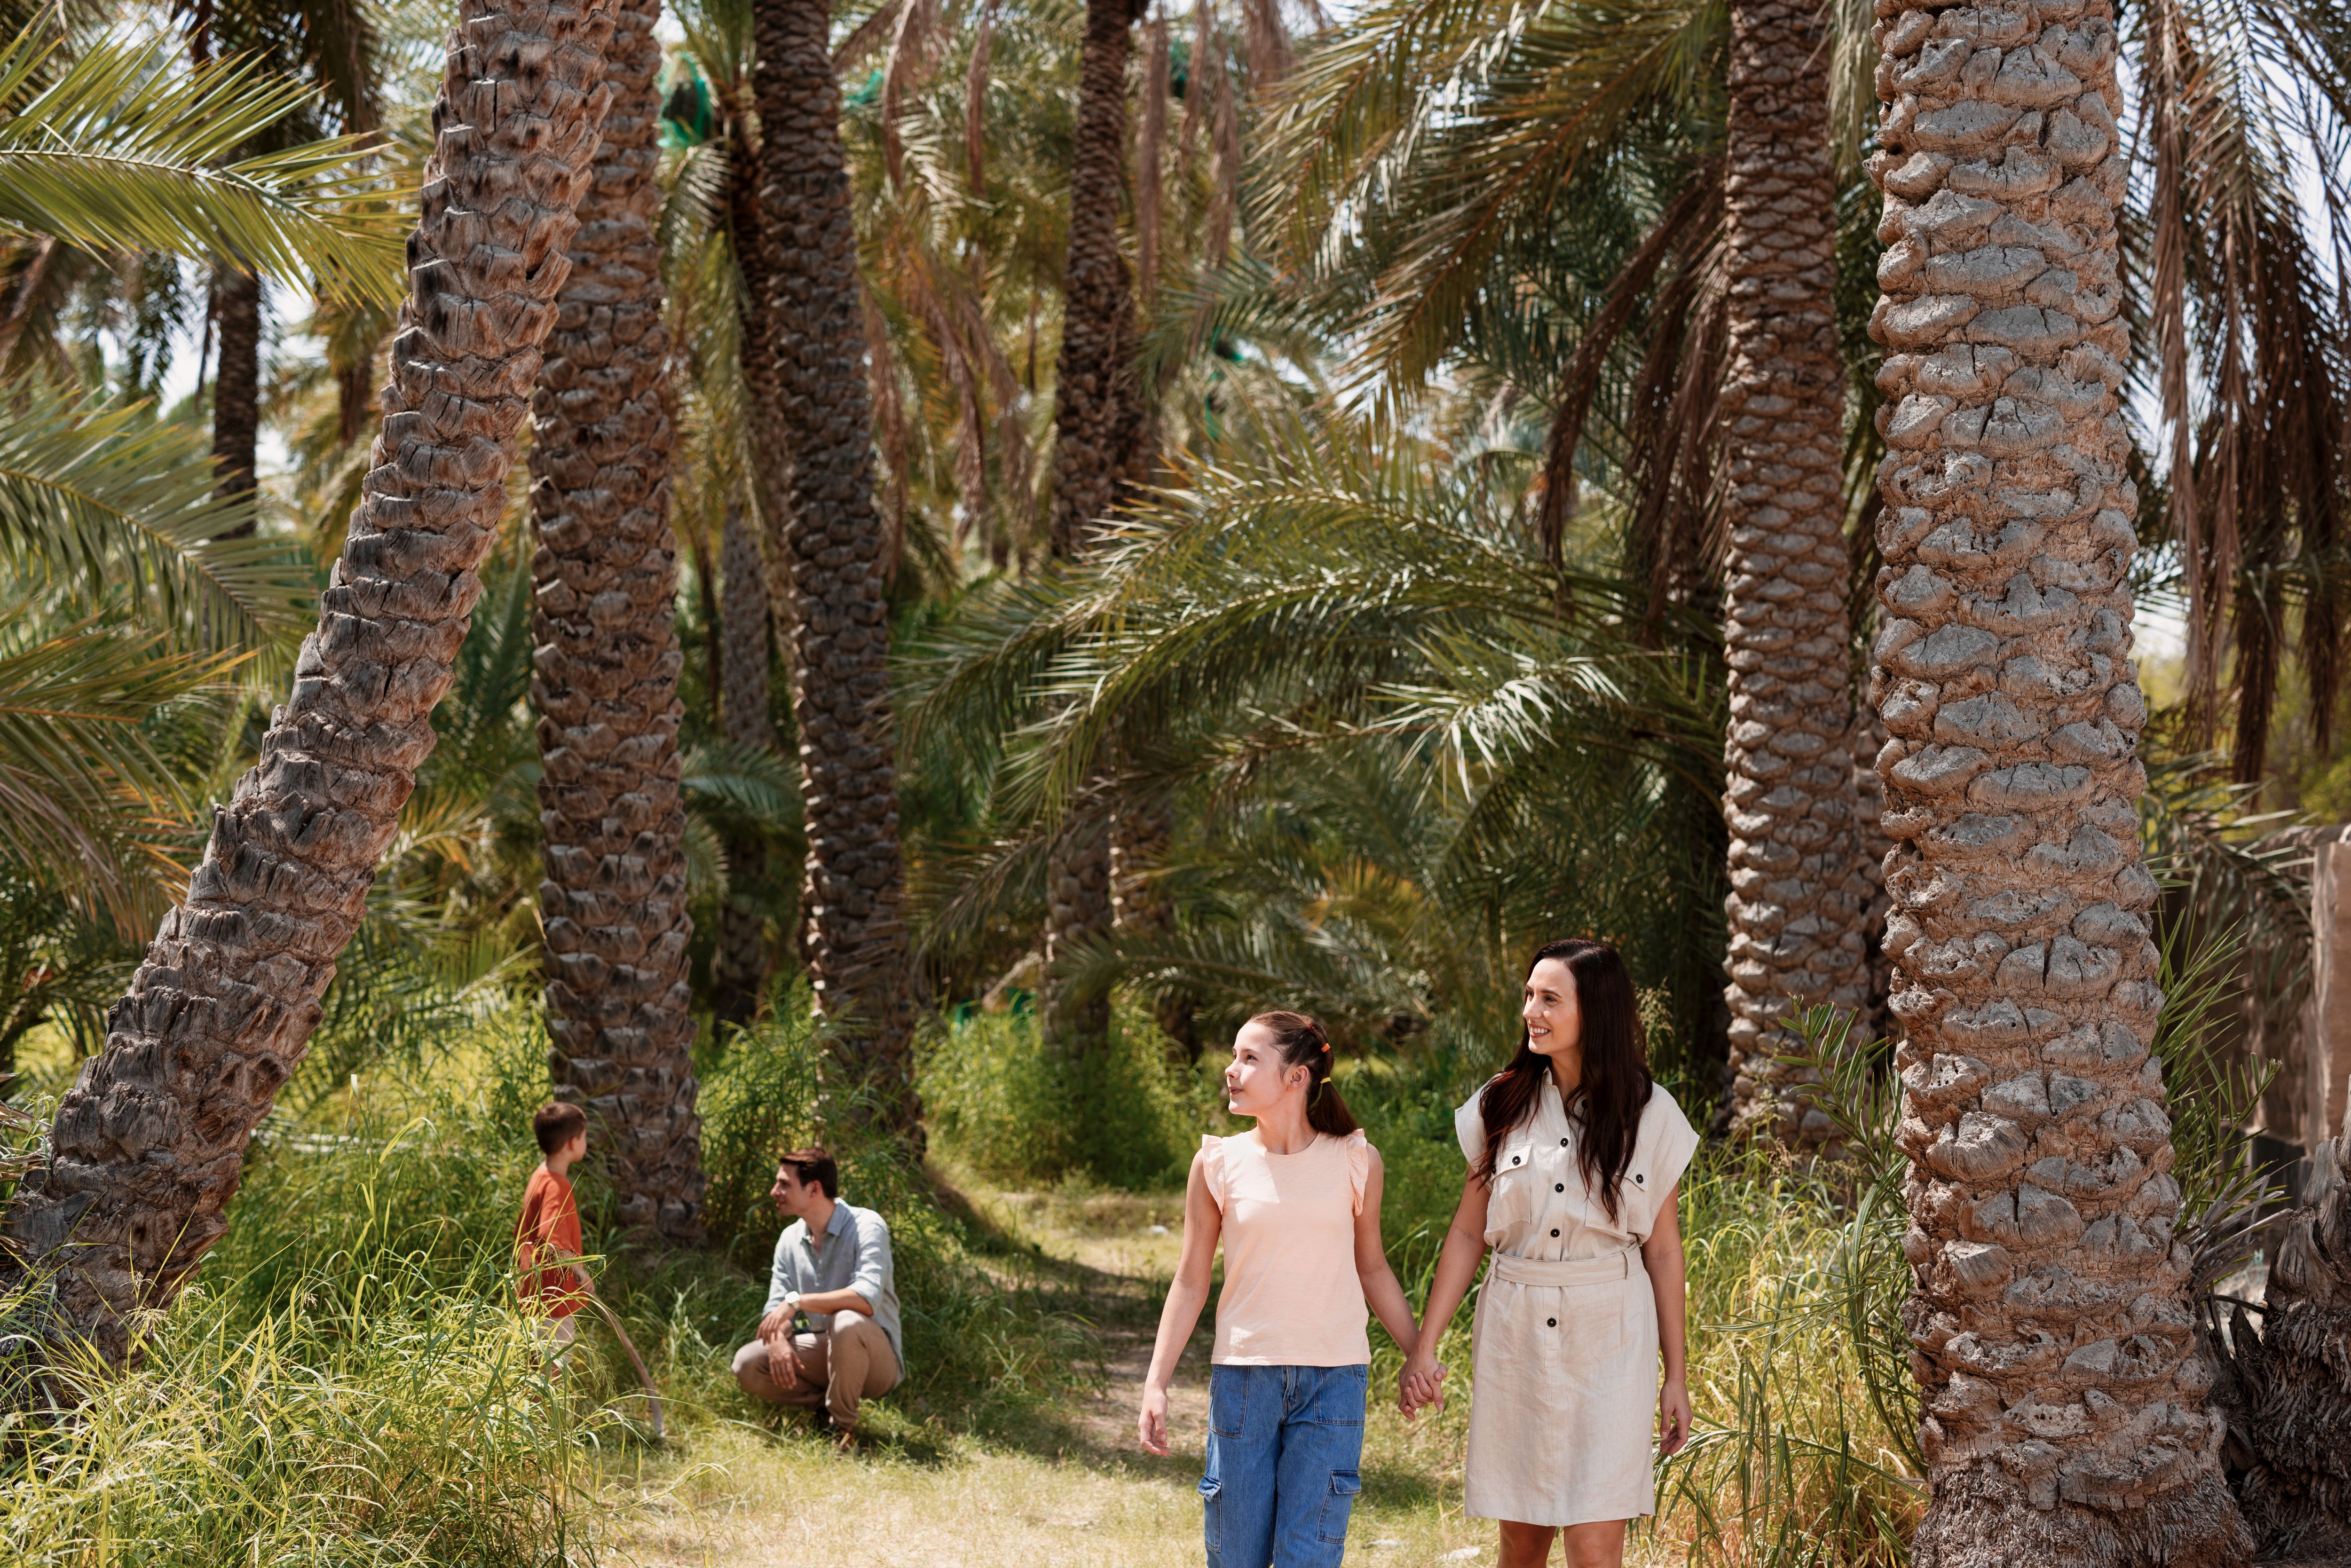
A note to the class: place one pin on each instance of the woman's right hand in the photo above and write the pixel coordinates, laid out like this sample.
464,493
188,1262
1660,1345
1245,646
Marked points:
1151,1426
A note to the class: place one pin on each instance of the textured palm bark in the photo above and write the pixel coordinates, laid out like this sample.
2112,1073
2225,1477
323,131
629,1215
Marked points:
1096,420
605,664
1799,893
2066,1412
832,556
1867,740
771,469
2286,1389
1097,407
236,386
1142,910
148,1145
742,957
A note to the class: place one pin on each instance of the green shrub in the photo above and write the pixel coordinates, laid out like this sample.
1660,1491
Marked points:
997,1101
760,1097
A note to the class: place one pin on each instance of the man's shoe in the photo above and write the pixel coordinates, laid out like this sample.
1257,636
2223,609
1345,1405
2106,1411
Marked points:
844,1439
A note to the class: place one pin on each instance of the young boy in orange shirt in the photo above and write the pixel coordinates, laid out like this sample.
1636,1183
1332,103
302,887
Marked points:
551,1283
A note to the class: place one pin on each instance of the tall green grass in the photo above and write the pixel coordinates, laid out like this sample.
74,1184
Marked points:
396,1423
348,1382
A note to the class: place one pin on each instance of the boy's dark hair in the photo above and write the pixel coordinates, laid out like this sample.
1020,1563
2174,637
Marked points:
555,1124
813,1165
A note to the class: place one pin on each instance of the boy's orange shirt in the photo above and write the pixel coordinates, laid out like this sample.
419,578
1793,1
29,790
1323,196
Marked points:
548,1230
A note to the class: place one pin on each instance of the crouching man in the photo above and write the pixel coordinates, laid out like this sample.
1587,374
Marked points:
833,1267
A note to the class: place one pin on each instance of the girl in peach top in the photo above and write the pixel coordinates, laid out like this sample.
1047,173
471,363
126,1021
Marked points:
1296,1202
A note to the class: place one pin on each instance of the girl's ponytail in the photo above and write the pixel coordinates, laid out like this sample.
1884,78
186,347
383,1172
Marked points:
1303,1043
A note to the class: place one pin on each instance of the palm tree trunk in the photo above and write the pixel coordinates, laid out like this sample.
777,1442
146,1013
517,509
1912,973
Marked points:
742,960
772,472
147,1146
832,560
1796,904
1142,909
2065,1410
236,385
612,821
1095,419
2284,1389
1097,409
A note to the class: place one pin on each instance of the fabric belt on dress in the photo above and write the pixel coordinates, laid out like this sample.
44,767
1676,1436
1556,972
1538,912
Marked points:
1619,1265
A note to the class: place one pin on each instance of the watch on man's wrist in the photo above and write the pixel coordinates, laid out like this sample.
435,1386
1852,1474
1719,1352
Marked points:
792,1304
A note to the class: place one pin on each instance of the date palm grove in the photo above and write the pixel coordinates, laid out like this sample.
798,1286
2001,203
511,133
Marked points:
768,550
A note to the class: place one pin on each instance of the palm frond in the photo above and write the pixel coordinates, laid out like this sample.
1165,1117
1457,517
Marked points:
86,805
119,502
122,149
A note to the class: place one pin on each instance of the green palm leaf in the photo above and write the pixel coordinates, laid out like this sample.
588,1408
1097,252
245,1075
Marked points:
127,505
122,150
87,805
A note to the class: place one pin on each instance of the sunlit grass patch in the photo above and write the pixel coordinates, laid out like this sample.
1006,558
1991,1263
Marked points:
396,1423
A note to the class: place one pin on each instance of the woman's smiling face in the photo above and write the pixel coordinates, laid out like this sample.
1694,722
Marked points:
1256,1078
1555,1020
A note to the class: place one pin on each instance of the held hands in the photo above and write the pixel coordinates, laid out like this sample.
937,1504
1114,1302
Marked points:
1422,1382
1150,1425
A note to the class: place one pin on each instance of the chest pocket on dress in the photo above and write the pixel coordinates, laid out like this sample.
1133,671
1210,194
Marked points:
1512,1201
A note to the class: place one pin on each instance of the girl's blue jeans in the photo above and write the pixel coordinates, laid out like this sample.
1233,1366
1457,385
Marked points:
1285,1447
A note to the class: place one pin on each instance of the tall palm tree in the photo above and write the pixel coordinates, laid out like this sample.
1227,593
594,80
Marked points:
741,964
1097,410
612,823
1798,894
2065,1414
147,1147
1097,417
718,304
832,560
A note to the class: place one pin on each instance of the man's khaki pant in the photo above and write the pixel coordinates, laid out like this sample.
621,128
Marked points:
851,1361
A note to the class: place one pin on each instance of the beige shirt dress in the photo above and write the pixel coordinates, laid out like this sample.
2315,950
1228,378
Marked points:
1563,1347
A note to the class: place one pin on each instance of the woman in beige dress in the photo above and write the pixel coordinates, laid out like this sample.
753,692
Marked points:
1575,1158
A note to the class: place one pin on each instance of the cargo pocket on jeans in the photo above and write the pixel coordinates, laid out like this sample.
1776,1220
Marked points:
1344,1485
1211,1508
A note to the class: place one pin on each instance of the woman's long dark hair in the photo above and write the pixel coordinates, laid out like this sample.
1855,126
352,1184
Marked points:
1303,1043
1616,1083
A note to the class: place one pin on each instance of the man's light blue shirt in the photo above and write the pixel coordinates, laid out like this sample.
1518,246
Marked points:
855,1256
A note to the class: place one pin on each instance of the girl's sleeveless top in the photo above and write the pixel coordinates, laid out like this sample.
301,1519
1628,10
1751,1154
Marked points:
1291,1295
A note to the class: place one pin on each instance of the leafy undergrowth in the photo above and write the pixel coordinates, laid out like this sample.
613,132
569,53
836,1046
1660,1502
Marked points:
375,1421
349,1385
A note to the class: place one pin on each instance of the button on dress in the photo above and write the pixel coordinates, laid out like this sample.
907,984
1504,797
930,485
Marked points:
1563,1347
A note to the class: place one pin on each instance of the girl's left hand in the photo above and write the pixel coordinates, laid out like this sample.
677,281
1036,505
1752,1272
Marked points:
1674,1416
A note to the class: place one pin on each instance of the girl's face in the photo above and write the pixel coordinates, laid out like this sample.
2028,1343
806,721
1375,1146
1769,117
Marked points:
1555,1020
1256,1080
